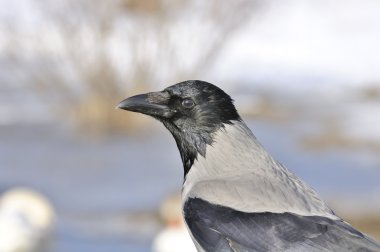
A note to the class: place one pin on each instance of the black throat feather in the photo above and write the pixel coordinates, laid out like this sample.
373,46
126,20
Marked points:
194,129
193,143
190,144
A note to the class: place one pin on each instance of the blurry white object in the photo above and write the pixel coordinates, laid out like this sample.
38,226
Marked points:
26,221
174,237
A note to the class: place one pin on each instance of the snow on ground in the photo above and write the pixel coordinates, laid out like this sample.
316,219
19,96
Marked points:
307,43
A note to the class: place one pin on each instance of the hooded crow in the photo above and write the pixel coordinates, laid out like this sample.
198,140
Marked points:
235,195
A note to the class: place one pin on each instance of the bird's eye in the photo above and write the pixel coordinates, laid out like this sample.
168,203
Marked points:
188,103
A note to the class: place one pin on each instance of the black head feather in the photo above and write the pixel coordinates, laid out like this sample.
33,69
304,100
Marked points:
191,110
193,127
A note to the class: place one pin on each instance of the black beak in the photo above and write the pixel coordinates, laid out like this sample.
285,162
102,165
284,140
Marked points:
154,104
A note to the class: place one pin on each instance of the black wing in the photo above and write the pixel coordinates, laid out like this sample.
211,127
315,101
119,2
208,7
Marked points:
218,228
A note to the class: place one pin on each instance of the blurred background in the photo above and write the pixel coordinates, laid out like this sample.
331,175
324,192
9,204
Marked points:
305,76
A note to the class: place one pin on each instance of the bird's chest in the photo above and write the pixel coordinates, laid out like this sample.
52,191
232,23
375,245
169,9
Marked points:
251,190
237,172
217,182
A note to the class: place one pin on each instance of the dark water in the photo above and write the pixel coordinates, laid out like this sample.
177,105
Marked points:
105,190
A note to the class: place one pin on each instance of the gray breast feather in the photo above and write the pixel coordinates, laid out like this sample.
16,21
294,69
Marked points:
218,228
238,172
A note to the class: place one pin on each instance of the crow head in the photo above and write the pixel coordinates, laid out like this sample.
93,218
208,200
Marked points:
191,110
